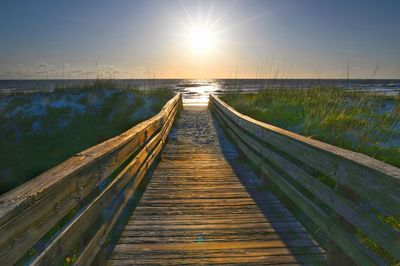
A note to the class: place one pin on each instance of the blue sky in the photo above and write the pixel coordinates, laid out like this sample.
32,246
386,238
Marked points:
243,38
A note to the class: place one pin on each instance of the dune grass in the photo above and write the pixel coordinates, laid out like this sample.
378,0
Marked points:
40,130
357,121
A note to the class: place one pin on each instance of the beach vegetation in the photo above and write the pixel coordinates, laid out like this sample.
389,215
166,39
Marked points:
40,130
362,122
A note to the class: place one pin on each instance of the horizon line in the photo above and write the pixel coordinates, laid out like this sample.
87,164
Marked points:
238,78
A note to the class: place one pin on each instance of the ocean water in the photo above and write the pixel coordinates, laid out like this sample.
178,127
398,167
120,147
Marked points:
197,91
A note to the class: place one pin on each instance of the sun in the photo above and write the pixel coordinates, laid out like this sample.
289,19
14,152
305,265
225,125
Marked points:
201,36
201,39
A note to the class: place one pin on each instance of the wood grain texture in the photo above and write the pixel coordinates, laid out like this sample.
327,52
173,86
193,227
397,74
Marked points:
203,205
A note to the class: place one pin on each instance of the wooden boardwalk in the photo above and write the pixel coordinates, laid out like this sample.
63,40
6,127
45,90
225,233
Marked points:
204,205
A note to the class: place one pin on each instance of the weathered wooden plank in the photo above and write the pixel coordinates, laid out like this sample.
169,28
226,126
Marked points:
124,248
192,212
218,232
201,185
14,240
179,227
244,260
171,195
214,237
204,220
235,200
222,189
204,216
210,206
176,254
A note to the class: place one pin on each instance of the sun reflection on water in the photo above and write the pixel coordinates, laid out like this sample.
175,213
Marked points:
197,92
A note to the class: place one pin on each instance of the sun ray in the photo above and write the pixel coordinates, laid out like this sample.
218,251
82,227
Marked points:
203,34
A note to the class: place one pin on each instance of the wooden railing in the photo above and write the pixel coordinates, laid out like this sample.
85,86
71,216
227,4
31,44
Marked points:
93,187
346,194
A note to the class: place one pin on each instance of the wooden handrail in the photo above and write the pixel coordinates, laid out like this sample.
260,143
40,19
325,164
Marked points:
82,183
364,188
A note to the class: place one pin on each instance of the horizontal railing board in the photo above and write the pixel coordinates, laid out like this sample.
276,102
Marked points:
317,215
95,244
32,190
31,210
360,158
19,230
378,231
15,201
366,176
137,168
238,126
60,246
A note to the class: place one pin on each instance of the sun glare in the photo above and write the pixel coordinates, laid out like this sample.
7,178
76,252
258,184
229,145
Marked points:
202,34
201,39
